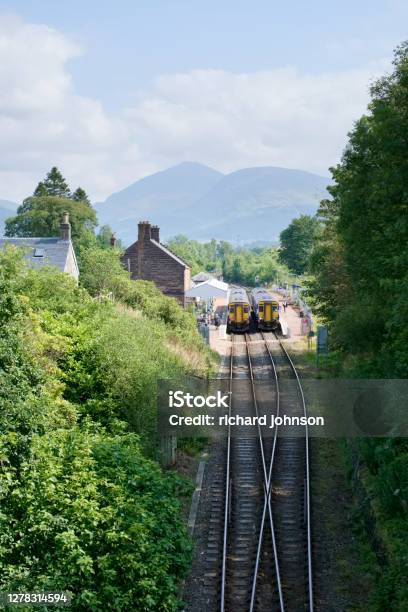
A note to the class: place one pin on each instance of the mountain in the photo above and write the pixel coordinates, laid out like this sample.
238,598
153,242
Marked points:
7,209
162,198
248,205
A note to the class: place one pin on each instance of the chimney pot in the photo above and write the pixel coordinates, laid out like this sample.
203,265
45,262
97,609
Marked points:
144,231
155,233
65,227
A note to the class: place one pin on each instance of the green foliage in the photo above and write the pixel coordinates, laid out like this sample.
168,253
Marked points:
200,256
360,288
94,518
104,236
55,184
80,195
102,272
237,265
82,508
40,191
41,216
297,243
361,260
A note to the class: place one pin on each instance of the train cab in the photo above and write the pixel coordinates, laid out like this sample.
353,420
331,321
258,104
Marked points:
239,311
265,309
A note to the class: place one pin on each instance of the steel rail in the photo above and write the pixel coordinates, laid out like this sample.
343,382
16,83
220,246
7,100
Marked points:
267,500
268,473
227,487
307,469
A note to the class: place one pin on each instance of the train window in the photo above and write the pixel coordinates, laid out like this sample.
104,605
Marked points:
231,309
260,308
246,309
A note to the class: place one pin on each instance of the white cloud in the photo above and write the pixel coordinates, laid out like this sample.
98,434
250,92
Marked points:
226,120
229,120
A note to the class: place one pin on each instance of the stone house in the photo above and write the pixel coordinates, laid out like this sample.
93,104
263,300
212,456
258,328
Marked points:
148,259
56,252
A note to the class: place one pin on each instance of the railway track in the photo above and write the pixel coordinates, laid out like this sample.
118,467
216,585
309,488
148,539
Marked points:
266,556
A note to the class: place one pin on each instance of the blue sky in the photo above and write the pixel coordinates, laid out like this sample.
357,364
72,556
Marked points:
127,43
138,76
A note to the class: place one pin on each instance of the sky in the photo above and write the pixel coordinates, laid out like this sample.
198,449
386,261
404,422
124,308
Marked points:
113,91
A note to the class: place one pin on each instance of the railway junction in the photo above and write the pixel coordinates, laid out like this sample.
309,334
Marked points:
257,552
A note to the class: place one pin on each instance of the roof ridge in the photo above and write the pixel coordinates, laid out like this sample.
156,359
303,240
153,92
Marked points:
170,252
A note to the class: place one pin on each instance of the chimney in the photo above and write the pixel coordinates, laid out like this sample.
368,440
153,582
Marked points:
113,241
143,238
143,233
155,233
65,227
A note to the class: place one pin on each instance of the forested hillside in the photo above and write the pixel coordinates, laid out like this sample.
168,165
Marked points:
85,508
360,289
245,266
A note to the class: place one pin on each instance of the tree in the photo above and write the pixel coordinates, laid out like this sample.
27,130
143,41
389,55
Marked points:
102,272
297,243
55,184
104,238
41,216
360,286
236,273
360,279
80,195
41,190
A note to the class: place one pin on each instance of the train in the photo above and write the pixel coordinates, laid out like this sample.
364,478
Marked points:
265,310
239,317
257,310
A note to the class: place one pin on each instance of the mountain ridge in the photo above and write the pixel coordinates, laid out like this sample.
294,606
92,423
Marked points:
249,204
246,205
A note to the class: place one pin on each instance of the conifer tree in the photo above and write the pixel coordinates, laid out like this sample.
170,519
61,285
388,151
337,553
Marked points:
56,185
80,195
40,190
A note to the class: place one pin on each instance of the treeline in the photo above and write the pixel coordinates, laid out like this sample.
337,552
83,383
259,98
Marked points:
244,266
297,242
84,506
359,266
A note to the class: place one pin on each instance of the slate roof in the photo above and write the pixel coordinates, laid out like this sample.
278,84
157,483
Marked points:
201,277
42,251
169,253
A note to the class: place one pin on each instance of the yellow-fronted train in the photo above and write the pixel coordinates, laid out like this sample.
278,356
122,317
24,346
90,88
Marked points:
239,311
265,310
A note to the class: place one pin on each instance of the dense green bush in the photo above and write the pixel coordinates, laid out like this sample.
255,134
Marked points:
94,518
82,508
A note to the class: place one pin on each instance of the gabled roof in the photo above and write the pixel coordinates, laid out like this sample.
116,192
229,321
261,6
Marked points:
208,289
42,252
201,277
170,253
